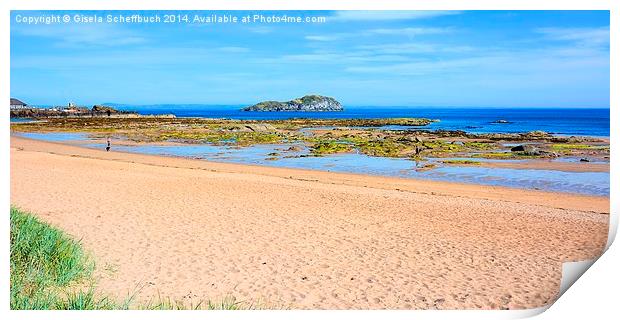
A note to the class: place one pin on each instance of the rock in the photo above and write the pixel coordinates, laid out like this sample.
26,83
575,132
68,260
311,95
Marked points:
537,133
260,127
103,109
495,136
305,103
526,150
501,121
584,160
518,148
64,112
573,139
548,154
408,139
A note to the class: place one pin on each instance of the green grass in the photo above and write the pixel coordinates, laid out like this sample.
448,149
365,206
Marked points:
45,262
228,303
51,271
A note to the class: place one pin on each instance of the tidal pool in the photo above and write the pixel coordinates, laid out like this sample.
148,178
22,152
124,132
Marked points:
56,136
593,183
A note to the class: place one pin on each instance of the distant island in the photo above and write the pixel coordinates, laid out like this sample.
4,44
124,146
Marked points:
305,103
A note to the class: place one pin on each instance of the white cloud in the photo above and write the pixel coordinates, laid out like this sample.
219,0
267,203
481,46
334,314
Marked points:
233,49
329,37
335,58
311,57
388,15
508,63
423,67
142,57
261,29
413,47
582,36
70,35
410,31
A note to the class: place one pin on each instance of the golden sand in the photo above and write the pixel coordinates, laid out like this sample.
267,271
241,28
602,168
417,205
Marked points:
191,230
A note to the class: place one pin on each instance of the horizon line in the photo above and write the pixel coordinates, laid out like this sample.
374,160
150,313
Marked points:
344,105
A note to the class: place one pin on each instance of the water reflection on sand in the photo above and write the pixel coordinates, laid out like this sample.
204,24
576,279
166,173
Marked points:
297,156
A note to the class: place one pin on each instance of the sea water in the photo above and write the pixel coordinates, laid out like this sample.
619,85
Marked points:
561,121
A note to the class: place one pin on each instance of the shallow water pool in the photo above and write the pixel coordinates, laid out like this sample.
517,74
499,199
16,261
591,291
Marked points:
592,183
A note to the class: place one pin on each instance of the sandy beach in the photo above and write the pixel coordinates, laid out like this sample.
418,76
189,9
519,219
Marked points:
302,239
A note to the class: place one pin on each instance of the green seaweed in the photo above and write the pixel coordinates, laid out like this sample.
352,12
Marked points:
567,146
461,161
329,147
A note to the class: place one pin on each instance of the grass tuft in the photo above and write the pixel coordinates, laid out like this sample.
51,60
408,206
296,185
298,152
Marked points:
49,271
44,260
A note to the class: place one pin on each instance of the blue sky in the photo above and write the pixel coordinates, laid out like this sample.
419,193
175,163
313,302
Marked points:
411,58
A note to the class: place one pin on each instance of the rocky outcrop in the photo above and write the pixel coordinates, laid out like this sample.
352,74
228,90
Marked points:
97,111
346,123
305,103
524,148
529,150
537,134
260,127
103,109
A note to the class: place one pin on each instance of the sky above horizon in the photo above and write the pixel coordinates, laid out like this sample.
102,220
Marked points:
405,58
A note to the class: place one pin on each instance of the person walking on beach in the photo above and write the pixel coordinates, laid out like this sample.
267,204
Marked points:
107,148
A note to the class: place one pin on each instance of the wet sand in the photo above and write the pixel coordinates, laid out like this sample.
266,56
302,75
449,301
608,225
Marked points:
549,165
191,230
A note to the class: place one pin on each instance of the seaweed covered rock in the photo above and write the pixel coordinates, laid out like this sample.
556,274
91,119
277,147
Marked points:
526,149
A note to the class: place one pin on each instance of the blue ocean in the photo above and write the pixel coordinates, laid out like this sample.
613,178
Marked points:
560,121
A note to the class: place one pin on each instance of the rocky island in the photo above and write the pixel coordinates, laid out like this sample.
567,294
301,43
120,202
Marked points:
305,103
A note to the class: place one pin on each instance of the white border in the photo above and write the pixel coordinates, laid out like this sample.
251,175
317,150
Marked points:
590,296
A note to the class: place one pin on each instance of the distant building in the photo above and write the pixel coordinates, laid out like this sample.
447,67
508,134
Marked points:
18,104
